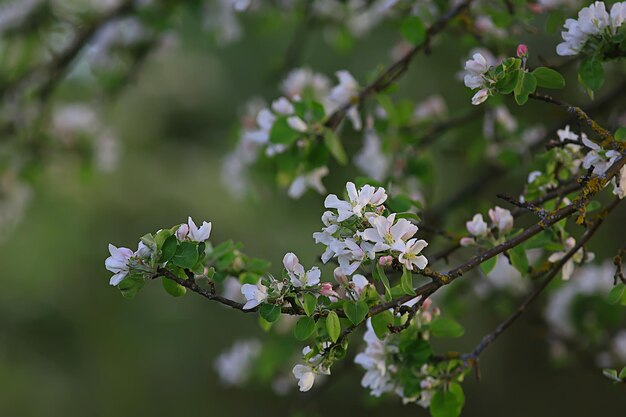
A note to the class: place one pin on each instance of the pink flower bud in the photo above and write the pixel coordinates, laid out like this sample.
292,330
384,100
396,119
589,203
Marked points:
340,277
385,260
327,289
467,241
426,304
522,50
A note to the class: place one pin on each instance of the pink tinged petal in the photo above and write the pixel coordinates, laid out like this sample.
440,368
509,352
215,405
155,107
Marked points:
182,232
419,246
313,276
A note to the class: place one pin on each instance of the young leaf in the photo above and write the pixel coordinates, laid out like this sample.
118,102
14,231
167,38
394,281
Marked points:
282,133
380,323
379,274
333,326
413,30
332,142
548,78
168,249
355,311
615,295
488,265
406,281
270,312
622,374
591,74
507,84
620,134
611,374
131,285
173,288
446,327
448,403
304,328
309,303
519,260
186,255
526,84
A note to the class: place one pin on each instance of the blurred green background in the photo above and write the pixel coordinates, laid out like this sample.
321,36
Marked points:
70,345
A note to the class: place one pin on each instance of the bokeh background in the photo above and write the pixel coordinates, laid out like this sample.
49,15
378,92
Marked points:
70,345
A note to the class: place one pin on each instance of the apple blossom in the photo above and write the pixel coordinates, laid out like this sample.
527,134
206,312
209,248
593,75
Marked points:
358,201
387,233
255,294
477,226
410,254
598,158
118,263
579,256
299,278
501,218
192,232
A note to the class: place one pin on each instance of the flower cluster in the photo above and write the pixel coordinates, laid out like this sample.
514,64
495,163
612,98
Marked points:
397,362
480,231
593,26
182,246
477,76
358,230
293,122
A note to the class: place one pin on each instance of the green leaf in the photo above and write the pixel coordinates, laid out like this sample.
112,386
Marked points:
309,303
355,311
380,322
399,203
333,326
622,373
173,288
131,285
270,312
446,327
406,281
506,84
413,30
620,134
304,328
548,78
379,274
489,264
611,374
526,84
168,249
186,255
616,293
591,74
332,142
448,403
282,133
519,260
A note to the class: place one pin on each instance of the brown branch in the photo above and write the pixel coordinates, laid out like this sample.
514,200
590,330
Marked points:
395,70
491,337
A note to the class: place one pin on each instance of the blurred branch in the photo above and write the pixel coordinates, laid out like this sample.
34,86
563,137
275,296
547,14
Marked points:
395,70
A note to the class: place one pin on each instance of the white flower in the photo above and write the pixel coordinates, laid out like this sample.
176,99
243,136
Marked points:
142,251
532,176
568,267
371,159
377,376
620,189
386,233
343,94
349,254
501,218
234,365
265,120
618,16
305,376
118,263
434,107
477,226
359,200
409,254
360,283
299,278
312,179
301,79
504,117
192,232
255,294
297,124
600,159
282,106
476,68
480,97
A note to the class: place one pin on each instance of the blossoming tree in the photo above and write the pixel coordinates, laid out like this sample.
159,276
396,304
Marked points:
385,259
